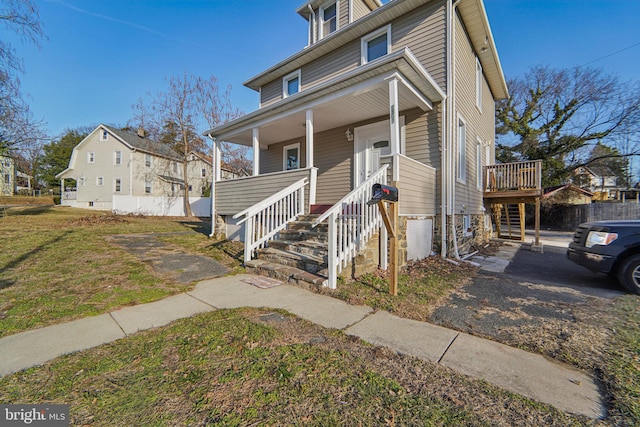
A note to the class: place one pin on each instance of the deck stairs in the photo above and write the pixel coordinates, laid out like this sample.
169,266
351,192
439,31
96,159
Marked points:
510,221
297,255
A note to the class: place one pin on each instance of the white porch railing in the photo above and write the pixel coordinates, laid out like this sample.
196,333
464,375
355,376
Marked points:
265,219
351,224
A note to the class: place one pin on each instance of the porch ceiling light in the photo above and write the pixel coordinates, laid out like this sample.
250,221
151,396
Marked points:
349,135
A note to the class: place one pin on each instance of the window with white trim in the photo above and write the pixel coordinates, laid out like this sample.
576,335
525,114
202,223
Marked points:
376,44
117,185
462,150
291,84
99,181
104,135
147,160
291,157
174,166
204,173
81,181
478,84
479,164
328,19
91,157
147,187
117,158
466,226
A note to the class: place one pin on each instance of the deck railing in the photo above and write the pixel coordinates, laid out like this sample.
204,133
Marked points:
508,177
351,224
265,219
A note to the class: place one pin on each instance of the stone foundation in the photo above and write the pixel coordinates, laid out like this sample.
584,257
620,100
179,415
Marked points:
479,233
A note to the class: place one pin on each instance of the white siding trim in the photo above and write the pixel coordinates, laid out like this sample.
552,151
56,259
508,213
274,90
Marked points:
461,149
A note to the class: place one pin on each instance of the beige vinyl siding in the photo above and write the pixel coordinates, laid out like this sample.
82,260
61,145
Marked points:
333,156
233,196
270,93
360,9
343,14
479,122
417,186
422,30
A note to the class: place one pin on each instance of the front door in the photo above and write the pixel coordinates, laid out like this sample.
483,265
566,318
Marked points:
371,143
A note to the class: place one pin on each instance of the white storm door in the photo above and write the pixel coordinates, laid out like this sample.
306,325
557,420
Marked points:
371,142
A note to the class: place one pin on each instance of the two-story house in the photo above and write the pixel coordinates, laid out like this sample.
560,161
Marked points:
111,162
402,93
12,180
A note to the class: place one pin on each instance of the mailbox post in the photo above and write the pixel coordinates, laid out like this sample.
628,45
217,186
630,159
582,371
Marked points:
389,194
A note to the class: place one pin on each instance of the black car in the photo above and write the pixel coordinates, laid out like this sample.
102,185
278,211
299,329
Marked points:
611,247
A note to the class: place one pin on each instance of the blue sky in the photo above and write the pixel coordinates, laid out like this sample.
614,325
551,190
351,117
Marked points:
102,55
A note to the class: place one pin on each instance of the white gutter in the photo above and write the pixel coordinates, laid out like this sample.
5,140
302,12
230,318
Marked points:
312,24
213,185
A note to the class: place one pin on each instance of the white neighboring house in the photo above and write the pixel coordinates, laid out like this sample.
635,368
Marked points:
110,163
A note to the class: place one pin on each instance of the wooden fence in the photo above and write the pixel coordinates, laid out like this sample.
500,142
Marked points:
568,217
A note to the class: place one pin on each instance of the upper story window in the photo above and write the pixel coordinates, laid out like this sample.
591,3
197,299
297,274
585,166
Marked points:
376,44
328,19
291,84
478,84
104,135
117,158
204,173
91,157
147,160
174,166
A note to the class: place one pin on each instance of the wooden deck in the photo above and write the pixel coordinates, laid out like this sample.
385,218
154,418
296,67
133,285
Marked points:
513,182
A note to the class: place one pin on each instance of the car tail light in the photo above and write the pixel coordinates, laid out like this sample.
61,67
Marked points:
600,238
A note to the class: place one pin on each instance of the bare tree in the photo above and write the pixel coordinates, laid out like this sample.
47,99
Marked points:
216,109
17,125
557,115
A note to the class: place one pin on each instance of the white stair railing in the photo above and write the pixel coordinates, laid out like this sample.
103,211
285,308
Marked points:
351,224
265,219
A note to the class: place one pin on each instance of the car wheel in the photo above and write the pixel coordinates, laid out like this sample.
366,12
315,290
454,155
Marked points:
629,273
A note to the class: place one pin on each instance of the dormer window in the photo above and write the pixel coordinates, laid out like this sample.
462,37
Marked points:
291,84
328,19
376,44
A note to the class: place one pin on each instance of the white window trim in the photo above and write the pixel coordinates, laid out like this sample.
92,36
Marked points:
148,156
99,181
478,84
150,187
479,164
466,226
366,39
91,157
284,155
285,83
115,188
321,18
104,135
461,153
115,158
81,181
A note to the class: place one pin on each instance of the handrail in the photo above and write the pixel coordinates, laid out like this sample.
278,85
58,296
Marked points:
368,182
513,176
270,200
352,222
268,217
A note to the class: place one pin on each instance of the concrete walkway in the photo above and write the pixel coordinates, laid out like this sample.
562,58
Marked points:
528,374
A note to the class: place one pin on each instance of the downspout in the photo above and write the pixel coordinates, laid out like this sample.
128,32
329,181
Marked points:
451,123
312,24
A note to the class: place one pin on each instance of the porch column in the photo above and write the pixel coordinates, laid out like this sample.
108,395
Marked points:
309,158
256,152
215,177
394,117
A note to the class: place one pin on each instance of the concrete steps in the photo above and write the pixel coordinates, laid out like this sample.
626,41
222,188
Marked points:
298,255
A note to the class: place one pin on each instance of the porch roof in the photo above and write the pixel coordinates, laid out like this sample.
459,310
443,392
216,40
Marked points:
355,96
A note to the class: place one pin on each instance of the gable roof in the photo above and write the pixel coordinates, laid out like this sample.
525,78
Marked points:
138,143
473,14
550,191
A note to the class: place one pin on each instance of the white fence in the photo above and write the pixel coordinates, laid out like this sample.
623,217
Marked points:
160,206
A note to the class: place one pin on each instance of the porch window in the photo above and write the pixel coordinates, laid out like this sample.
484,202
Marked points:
291,157
291,84
376,44
329,19
462,150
